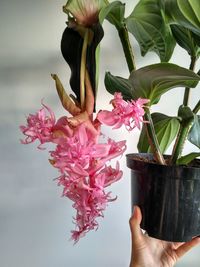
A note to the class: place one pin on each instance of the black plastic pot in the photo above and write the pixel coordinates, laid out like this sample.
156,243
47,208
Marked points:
169,198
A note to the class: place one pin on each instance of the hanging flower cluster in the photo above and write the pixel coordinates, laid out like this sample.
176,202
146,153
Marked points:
80,157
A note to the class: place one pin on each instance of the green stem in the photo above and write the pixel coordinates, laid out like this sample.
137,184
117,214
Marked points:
153,141
197,108
152,138
187,89
125,41
83,69
185,127
180,141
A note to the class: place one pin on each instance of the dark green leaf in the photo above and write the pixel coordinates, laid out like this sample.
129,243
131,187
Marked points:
114,13
71,47
146,23
186,39
117,84
188,158
185,13
166,129
154,80
194,134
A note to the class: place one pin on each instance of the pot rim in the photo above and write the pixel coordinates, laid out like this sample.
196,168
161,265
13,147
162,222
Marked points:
129,159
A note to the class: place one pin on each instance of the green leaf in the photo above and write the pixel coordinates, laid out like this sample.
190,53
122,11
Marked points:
166,129
147,24
117,84
71,48
153,81
194,134
185,13
188,158
114,13
186,39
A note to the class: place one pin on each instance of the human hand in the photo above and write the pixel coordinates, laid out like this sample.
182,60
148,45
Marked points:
151,252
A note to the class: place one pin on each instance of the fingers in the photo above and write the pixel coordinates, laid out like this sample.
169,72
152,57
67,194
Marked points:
183,249
135,221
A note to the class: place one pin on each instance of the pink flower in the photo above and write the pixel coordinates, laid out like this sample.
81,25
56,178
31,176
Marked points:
81,161
39,126
124,112
107,176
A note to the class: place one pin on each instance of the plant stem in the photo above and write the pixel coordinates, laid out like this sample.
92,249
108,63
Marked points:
180,141
83,69
197,108
125,41
185,127
187,89
153,141
152,138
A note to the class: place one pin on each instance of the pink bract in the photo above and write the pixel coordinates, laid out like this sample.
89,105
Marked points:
124,112
81,160
39,126
84,176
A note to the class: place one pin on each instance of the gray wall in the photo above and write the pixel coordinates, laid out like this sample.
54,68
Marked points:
35,222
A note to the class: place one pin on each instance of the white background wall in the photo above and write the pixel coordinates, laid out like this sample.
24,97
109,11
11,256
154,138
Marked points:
35,222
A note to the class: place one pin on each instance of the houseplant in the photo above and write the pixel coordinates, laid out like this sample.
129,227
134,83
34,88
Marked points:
80,154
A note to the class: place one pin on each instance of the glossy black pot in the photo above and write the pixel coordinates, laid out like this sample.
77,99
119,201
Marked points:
169,198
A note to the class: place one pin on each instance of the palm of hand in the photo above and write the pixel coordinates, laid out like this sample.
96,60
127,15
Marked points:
151,252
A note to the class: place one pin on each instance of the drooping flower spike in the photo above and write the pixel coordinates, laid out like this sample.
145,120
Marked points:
82,161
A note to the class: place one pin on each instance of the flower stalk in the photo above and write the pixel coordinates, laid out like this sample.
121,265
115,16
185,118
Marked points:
83,69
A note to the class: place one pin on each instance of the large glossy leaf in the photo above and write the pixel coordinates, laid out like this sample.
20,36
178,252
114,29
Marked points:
185,13
186,39
114,13
146,23
117,84
194,134
154,80
166,129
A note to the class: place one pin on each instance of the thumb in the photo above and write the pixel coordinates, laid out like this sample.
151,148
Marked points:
134,222
187,246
